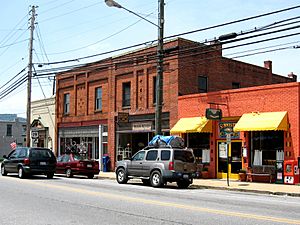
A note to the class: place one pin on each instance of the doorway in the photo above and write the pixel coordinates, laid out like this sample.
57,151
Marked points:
234,152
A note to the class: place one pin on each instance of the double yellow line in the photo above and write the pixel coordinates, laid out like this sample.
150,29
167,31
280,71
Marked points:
163,204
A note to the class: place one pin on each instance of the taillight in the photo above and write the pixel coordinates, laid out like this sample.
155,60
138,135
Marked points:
171,165
26,161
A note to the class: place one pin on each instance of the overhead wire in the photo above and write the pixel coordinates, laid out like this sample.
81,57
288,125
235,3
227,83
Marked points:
200,45
240,40
97,42
181,34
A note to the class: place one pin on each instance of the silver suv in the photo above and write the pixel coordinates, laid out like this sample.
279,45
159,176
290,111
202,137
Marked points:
159,165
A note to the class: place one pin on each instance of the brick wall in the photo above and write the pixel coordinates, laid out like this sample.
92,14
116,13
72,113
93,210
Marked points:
268,98
184,62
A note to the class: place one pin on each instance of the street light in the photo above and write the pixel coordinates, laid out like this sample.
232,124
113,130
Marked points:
160,57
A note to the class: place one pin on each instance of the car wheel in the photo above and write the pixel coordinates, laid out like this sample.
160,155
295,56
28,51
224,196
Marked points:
121,176
21,173
3,171
146,182
156,179
90,176
50,175
69,173
183,184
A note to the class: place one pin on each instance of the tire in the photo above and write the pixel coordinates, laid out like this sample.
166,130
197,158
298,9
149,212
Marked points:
21,173
121,176
156,179
69,173
146,182
3,171
50,175
90,176
183,184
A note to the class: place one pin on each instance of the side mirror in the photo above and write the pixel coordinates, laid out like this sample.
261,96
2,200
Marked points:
4,157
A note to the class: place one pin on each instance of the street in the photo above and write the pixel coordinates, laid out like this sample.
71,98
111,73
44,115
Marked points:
43,201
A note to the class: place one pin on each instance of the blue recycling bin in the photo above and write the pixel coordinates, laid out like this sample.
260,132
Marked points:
105,161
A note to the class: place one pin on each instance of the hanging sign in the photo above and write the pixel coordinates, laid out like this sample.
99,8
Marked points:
213,114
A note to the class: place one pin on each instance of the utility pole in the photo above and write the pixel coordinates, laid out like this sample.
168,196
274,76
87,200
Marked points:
28,119
160,62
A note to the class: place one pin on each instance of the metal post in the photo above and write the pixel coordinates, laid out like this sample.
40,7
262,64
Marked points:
28,118
159,78
100,147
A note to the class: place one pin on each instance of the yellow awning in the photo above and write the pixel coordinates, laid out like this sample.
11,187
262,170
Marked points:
192,125
262,121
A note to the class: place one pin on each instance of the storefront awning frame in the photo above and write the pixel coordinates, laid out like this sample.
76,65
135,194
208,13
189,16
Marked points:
192,125
265,121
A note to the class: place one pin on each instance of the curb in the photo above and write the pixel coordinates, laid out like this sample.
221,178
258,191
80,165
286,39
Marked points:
228,189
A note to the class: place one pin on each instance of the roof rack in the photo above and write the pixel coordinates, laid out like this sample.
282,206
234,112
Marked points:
162,146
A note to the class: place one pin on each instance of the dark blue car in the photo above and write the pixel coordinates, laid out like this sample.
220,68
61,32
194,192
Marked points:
29,161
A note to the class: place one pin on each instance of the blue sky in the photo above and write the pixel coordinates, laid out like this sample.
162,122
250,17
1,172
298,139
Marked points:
70,29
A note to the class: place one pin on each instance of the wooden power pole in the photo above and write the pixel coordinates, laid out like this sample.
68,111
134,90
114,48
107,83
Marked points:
28,119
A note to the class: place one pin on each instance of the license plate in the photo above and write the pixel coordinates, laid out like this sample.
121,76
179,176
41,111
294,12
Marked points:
43,163
89,166
185,176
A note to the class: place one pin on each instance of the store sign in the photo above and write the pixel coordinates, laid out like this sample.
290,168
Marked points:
142,126
224,127
123,117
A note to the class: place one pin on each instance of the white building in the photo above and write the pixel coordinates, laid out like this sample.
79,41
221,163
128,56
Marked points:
43,123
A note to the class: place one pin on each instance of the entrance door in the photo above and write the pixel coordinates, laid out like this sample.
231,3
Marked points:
235,153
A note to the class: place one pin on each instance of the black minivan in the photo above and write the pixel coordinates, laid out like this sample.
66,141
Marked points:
29,161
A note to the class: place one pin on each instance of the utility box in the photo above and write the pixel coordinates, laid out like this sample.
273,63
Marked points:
291,172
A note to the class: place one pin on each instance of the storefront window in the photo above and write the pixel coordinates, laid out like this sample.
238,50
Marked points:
198,142
265,144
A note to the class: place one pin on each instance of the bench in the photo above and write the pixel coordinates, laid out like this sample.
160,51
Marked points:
264,173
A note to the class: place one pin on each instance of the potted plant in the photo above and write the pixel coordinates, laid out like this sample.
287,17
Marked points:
242,174
204,173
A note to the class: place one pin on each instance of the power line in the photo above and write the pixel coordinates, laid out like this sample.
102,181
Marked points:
181,34
14,43
97,42
200,45
88,67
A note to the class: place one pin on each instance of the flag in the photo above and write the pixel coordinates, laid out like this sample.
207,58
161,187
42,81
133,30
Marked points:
13,145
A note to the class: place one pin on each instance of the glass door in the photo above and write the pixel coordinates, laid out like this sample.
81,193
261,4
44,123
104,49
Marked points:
234,152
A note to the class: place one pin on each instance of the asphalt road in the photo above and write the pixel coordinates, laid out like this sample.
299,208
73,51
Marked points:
39,200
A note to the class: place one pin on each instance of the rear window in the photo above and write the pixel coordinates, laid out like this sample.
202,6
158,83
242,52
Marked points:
40,153
184,156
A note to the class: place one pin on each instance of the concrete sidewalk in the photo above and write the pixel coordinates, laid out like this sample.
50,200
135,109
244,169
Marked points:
234,185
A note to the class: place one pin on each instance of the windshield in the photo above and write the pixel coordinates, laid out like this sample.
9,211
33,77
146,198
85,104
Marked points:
184,156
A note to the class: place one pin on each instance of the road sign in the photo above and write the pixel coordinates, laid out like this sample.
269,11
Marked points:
228,138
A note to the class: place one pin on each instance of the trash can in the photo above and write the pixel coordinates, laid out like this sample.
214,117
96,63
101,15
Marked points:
105,161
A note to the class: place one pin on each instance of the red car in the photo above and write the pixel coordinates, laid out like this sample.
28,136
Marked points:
75,164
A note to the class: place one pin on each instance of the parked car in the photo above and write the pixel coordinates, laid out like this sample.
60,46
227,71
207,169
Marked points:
29,161
159,165
75,164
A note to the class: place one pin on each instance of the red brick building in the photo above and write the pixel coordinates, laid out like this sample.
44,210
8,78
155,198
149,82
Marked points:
97,94
269,103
